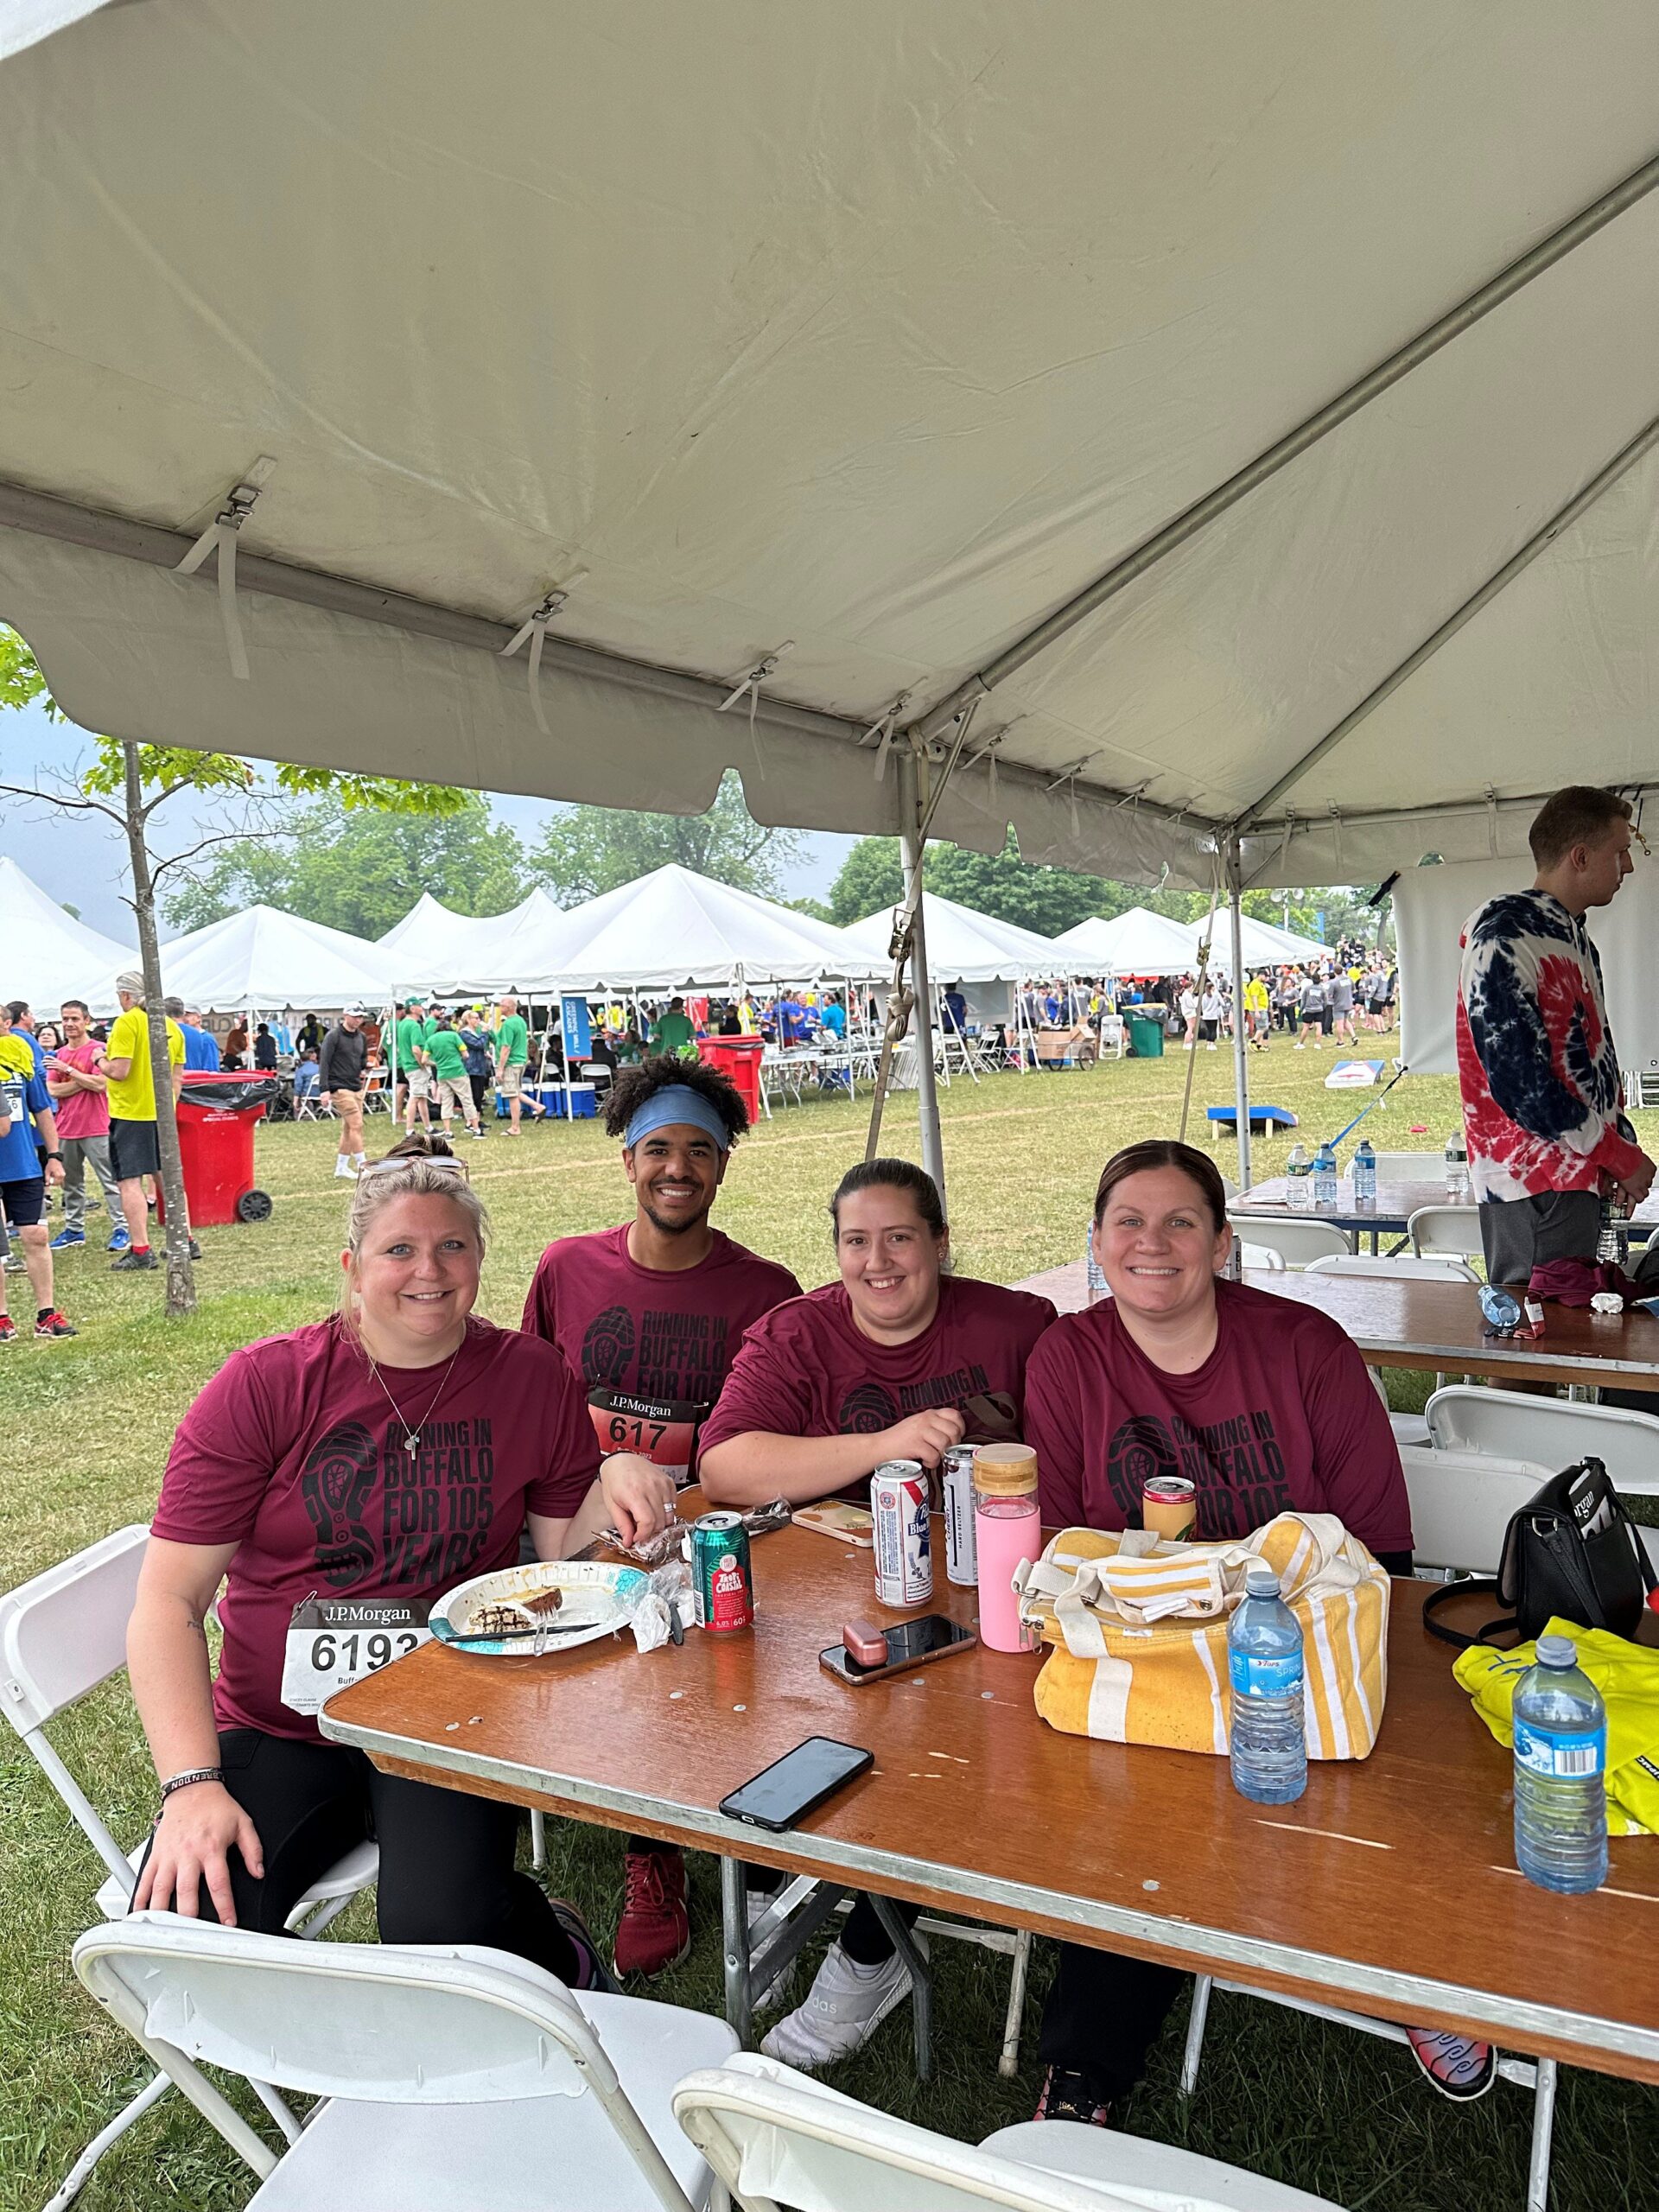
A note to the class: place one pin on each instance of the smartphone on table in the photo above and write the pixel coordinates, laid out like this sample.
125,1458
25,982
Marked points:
907,1645
791,1787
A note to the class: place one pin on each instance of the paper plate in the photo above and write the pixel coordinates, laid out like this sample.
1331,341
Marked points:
597,1594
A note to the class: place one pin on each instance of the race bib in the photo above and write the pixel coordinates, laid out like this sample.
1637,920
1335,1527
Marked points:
334,1640
662,1431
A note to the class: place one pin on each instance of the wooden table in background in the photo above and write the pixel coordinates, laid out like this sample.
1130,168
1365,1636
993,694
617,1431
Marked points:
1389,1888
1438,1326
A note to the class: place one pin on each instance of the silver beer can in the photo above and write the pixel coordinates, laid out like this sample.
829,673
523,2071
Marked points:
961,1555
903,1545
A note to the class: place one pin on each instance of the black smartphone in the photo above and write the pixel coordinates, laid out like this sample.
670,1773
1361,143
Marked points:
790,1787
911,1643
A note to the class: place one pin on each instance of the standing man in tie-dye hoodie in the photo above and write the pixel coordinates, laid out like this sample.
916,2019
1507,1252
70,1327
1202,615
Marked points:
1537,1063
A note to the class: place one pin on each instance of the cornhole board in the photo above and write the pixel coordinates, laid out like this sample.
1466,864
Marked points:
1353,1074
1264,1120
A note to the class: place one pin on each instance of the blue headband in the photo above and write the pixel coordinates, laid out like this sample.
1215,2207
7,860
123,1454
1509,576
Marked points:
677,1102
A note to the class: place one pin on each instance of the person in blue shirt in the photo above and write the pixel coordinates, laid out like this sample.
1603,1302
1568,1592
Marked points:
832,1016
201,1045
792,1021
30,1158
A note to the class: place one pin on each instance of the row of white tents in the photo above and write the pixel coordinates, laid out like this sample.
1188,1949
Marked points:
671,930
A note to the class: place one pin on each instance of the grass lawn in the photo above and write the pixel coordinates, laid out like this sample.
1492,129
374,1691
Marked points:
90,1422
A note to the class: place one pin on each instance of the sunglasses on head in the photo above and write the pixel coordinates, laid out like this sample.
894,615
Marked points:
447,1166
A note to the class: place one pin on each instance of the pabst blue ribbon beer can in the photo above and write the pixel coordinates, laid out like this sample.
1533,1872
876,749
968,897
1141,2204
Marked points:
903,1545
721,1583
961,1553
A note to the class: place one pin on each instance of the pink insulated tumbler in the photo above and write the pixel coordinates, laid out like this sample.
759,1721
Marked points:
1006,1529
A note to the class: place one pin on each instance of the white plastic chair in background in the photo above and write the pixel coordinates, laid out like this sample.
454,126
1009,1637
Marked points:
1296,1243
1460,1508
1454,1230
1552,1432
469,2075
1401,1266
61,1635
1261,1256
777,2136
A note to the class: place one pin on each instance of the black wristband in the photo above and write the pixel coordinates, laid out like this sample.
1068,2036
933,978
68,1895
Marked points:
191,1774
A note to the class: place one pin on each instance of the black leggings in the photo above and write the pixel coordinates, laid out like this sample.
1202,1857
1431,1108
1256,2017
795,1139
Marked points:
446,1872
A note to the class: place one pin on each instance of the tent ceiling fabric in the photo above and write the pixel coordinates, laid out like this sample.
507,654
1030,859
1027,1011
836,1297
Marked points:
881,334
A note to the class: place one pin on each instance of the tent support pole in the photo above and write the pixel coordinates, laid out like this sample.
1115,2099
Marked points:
1241,1042
1427,342
912,845
1562,519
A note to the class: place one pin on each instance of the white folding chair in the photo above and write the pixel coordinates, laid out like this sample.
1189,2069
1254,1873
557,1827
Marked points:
1260,1255
1460,1508
1449,1229
1296,1242
453,2077
61,1637
306,1105
1549,1431
1401,1265
777,2136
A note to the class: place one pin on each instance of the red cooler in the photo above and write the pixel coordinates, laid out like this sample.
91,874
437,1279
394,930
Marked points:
740,1058
216,1111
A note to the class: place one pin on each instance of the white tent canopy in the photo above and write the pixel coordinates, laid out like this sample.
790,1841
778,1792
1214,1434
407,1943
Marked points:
964,946
1138,943
1265,944
435,948
1193,387
47,956
263,959
674,930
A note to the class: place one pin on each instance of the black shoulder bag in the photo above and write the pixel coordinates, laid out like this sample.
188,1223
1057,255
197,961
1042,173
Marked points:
1572,1552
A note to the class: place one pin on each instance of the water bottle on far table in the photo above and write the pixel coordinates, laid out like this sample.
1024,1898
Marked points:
1099,1286
1457,1167
1561,1762
1325,1177
1365,1174
1300,1195
1267,1738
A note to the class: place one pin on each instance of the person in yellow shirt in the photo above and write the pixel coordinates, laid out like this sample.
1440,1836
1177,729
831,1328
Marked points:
135,1151
1256,1015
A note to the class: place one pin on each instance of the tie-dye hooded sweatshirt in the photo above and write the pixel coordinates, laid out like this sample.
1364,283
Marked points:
1536,1059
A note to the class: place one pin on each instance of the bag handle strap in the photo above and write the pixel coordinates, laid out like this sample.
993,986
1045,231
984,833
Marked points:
1486,1585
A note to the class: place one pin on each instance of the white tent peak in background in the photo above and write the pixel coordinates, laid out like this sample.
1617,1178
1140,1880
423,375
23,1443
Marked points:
964,946
675,929
264,960
48,955
435,948
1265,944
1138,943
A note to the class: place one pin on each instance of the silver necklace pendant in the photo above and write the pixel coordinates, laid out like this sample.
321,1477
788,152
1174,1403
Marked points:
412,1442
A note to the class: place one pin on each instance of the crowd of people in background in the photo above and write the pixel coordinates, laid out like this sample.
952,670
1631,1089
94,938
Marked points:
1352,993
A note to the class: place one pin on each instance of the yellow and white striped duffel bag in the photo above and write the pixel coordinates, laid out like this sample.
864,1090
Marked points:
1138,1627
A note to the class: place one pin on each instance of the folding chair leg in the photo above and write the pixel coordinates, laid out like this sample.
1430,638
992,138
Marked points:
1544,2123
324,1916
735,1914
1195,2025
81,2172
537,1840
921,1983
1009,2064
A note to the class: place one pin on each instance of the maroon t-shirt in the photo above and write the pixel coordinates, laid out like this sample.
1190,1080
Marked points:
653,1345
808,1369
292,1453
1281,1417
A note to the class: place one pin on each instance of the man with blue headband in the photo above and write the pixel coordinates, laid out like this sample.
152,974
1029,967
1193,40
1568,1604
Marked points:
651,1315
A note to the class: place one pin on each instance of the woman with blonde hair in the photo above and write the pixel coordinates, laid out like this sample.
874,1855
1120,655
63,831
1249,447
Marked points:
390,1452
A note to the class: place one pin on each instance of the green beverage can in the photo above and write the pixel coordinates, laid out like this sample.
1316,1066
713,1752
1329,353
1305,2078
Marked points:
722,1584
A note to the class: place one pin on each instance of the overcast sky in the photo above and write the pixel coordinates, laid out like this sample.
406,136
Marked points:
81,858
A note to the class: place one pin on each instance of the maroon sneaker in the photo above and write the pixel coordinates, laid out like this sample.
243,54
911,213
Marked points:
655,1930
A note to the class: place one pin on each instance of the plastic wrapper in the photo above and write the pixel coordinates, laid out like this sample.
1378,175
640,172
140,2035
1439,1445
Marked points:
663,1610
758,1520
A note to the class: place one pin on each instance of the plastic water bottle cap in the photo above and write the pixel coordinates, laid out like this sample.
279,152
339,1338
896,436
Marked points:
1261,1581
1557,1651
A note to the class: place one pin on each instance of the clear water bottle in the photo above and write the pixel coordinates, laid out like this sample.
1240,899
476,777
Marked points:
1365,1174
1267,1741
1325,1177
1561,1762
1099,1286
1457,1167
1613,1237
1300,1195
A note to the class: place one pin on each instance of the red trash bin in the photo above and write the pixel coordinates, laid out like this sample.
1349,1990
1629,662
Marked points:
740,1058
218,1109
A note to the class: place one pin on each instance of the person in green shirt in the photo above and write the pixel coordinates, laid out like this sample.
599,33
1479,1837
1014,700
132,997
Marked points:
451,1089
414,1070
511,1051
674,1030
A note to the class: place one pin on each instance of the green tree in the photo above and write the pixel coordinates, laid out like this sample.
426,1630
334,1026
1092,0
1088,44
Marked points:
1047,900
871,878
127,783
357,870
594,848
